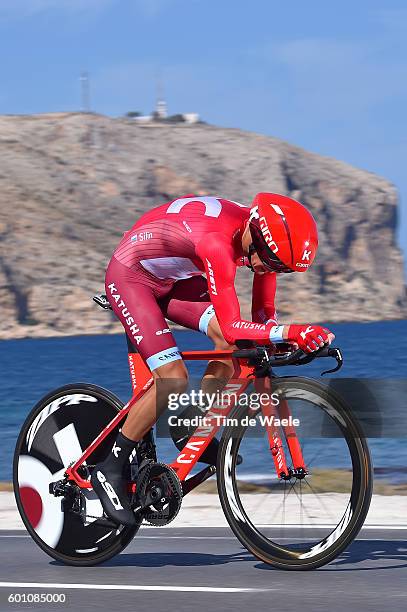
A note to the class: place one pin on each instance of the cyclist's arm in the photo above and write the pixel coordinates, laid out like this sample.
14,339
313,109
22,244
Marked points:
217,257
264,293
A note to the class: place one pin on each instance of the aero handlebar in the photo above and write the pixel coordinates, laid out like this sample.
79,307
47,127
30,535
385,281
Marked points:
260,356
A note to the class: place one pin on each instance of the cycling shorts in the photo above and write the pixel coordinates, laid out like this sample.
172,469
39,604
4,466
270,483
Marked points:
142,303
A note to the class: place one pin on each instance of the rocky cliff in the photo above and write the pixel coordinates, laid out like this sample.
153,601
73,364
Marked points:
70,184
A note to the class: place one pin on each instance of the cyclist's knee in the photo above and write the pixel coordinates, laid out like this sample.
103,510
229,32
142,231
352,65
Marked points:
222,345
215,334
175,369
175,375
171,379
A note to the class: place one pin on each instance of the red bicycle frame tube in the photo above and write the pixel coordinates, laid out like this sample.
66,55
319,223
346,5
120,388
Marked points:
203,435
281,411
243,376
291,436
269,410
72,472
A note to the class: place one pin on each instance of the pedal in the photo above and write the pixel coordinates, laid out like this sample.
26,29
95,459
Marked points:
104,522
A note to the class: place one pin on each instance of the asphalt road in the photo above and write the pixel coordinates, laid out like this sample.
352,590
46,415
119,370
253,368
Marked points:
186,569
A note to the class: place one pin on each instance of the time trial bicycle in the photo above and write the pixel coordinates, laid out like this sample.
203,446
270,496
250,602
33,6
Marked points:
299,510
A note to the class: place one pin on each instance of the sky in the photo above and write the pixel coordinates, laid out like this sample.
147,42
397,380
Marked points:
328,76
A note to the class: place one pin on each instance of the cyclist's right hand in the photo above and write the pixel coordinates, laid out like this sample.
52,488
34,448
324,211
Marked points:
308,337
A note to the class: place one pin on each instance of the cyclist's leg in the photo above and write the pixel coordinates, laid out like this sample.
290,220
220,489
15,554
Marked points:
218,369
170,378
188,304
135,304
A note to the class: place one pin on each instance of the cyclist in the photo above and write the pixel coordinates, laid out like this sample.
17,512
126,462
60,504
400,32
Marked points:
157,273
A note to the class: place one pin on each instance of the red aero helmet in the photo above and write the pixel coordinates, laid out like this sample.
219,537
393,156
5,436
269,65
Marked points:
284,233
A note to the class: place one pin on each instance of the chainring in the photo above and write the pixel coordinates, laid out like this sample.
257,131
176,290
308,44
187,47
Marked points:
159,494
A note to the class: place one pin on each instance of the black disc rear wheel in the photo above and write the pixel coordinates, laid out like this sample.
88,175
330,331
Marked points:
56,432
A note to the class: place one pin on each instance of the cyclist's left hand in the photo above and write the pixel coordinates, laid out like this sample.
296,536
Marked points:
310,338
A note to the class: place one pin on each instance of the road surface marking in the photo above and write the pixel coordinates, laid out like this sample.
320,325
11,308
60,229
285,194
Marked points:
297,526
128,587
186,537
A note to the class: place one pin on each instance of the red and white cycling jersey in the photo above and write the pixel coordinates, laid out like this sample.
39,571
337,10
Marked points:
193,235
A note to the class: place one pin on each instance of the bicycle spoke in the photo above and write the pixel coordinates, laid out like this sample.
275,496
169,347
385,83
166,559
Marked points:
318,496
303,509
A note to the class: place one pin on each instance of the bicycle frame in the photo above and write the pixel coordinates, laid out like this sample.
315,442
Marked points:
243,376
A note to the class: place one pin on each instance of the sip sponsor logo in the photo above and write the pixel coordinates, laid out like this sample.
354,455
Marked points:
134,328
141,237
211,278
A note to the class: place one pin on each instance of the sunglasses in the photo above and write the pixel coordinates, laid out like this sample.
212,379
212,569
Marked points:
269,260
280,269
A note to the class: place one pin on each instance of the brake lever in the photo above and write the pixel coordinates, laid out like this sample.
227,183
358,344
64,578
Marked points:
324,351
334,352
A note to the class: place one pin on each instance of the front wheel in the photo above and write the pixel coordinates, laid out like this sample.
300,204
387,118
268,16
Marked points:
302,522
55,434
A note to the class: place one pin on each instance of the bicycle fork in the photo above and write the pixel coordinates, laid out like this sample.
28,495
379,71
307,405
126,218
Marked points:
280,410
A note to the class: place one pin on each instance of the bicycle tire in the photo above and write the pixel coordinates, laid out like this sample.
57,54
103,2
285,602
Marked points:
362,484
